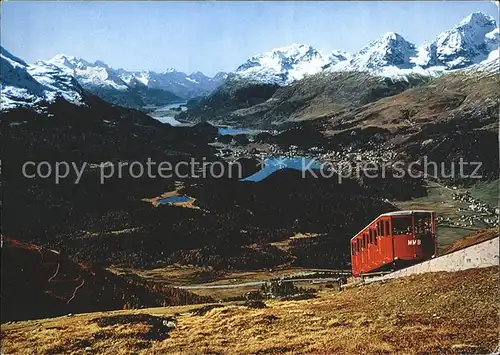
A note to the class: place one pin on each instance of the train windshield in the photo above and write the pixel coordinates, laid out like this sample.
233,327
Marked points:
423,223
401,225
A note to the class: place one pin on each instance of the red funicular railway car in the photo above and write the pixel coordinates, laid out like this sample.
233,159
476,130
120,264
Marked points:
395,239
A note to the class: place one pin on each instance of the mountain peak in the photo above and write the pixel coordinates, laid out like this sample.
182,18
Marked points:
283,65
468,43
390,50
387,42
61,57
24,85
391,39
479,18
100,63
391,36
63,60
292,48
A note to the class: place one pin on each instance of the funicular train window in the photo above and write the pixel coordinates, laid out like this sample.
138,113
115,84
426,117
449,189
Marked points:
423,223
387,228
376,234
401,225
353,248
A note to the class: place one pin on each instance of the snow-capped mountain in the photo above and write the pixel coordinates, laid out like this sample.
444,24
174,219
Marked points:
468,43
390,52
90,75
68,77
24,85
183,85
474,41
116,86
100,76
283,65
338,56
471,44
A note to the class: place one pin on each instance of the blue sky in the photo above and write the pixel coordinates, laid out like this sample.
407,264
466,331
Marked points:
213,36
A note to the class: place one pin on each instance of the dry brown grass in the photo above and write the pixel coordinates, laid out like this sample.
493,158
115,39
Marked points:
473,239
432,313
285,245
413,108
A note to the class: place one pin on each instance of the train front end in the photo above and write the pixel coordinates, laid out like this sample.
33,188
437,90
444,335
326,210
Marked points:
414,236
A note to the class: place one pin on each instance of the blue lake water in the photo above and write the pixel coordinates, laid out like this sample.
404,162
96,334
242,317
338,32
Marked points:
173,106
274,164
174,199
159,113
169,120
232,131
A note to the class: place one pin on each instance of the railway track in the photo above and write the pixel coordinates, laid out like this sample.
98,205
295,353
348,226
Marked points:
485,254
339,275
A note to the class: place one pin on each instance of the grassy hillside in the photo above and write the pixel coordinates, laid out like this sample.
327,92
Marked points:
472,239
323,95
233,94
241,103
447,118
464,96
452,313
38,282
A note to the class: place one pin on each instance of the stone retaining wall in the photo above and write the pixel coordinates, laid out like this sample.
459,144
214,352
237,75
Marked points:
484,254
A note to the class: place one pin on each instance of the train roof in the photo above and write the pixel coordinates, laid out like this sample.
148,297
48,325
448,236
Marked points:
404,213
395,213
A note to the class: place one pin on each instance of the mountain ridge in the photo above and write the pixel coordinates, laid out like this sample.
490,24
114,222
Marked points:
98,73
470,42
23,85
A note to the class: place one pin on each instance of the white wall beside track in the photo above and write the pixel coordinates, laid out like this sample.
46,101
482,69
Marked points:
481,255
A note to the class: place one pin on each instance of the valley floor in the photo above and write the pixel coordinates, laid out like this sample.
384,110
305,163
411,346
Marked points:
457,209
205,281
430,313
